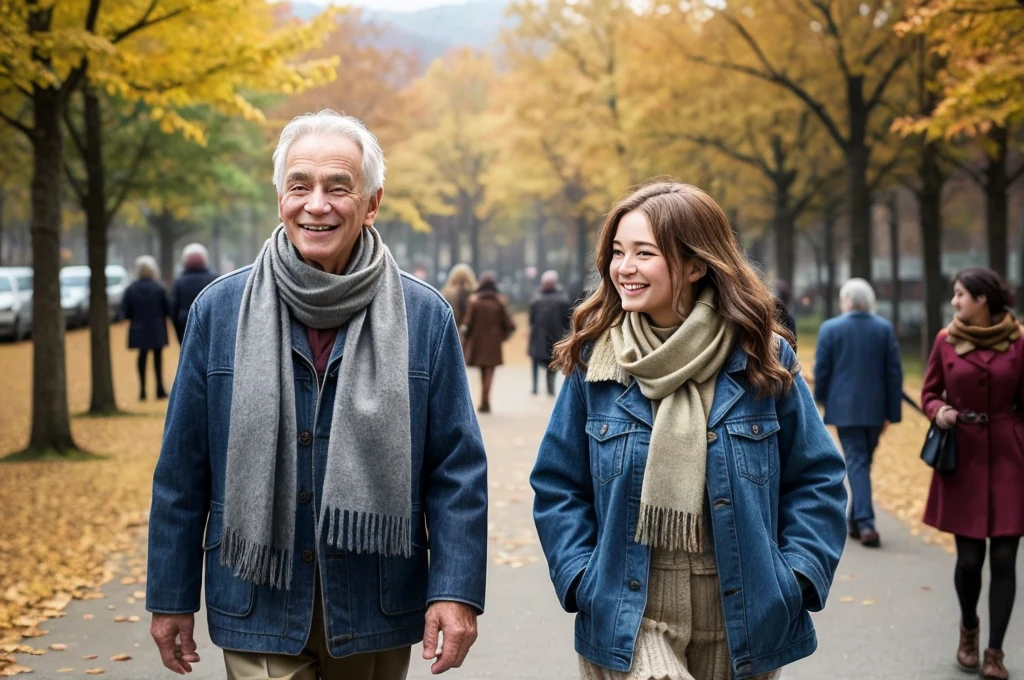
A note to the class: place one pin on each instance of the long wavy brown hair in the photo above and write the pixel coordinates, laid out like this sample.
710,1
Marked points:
687,223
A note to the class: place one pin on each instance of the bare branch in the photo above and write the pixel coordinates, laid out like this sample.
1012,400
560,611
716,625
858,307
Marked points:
76,185
830,24
17,125
141,153
883,83
76,138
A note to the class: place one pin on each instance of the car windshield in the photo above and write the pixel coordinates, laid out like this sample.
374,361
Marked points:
74,281
5,285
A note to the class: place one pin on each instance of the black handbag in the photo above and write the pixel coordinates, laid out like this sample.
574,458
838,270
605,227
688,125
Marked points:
939,450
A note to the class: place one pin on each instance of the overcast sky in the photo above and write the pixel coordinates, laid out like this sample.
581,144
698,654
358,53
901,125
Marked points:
392,5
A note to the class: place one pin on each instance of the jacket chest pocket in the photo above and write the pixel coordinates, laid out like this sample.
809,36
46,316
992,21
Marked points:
754,443
607,439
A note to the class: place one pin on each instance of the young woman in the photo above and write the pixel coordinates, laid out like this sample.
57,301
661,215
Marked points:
974,382
689,500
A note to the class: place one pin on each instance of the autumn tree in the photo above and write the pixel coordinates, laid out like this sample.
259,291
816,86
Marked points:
842,48
155,51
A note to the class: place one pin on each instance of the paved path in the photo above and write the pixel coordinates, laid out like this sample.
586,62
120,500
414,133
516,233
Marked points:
892,613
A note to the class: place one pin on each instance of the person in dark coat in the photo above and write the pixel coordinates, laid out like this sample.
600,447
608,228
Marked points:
146,307
858,376
486,325
196,275
549,321
975,382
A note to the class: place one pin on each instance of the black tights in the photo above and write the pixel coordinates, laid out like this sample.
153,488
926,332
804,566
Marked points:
970,558
158,365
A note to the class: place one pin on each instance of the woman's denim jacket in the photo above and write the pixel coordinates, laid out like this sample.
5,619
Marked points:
776,498
370,602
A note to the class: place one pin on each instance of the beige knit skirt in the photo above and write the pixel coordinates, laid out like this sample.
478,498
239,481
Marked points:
682,632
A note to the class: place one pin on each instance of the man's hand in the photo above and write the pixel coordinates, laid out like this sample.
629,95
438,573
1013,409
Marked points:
173,636
456,621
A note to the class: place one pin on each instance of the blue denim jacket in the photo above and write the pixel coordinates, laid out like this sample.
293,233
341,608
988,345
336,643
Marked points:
370,602
776,498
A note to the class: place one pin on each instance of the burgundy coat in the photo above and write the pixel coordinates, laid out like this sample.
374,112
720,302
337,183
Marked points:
488,324
984,497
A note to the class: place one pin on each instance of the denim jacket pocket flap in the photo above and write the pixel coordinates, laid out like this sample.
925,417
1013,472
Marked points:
753,429
225,593
755,447
607,447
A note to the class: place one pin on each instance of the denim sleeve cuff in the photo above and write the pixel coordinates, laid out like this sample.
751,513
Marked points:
478,606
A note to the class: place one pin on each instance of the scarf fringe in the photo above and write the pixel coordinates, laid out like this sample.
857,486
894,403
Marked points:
254,562
670,529
363,532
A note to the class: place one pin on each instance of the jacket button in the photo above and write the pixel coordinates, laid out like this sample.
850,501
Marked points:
604,428
634,585
303,496
712,437
755,429
307,555
305,438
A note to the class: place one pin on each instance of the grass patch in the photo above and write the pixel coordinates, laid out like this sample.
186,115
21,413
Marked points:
36,455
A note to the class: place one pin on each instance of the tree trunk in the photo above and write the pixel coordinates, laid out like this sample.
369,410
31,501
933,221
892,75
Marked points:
996,201
830,260
97,221
167,235
435,244
858,156
542,254
474,240
784,227
930,200
453,225
215,239
51,424
894,254
582,250
3,251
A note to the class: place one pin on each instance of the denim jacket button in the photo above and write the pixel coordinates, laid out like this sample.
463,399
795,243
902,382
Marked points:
634,585
712,437
305,438
756,429
303,496
307,555
604,428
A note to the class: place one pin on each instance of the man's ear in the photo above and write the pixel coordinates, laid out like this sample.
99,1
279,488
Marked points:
371,213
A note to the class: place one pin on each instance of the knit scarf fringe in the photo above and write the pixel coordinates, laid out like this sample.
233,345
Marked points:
255,562
363,532
670,528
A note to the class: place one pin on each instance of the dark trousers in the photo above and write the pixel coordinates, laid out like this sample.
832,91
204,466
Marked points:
859,449
158,367
542,365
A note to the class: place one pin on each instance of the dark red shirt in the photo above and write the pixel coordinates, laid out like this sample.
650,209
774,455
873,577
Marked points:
321,342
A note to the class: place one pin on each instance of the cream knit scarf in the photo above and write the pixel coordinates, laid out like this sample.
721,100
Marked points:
678,376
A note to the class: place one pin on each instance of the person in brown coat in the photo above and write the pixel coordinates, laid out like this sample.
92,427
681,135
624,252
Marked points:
974,383
486,325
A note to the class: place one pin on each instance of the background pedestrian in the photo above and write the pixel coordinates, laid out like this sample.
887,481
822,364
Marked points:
146,307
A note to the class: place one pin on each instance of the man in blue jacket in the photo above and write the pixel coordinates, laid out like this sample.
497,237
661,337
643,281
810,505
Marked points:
858,377
321,454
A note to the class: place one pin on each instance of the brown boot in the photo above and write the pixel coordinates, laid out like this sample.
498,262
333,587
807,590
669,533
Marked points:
967,652
994,668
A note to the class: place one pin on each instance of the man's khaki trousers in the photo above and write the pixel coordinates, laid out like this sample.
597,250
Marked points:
315,662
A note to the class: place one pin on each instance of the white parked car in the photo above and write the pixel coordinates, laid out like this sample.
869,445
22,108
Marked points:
16,302
74,292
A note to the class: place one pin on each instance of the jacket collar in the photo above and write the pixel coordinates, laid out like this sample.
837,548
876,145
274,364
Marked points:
602,366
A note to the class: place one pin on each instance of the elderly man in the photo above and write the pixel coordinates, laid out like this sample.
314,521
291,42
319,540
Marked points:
549,320
195,275
320,443
858,376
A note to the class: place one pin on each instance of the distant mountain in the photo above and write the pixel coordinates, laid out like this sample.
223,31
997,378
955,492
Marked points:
432,31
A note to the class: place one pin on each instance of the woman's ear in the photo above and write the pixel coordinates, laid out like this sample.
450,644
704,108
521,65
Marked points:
698,268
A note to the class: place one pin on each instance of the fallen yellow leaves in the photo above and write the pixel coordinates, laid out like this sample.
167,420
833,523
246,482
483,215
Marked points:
59,647
67,524
95,671
121,657
13,669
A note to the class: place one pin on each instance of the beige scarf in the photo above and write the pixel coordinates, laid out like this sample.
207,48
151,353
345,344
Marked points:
998,336
678,376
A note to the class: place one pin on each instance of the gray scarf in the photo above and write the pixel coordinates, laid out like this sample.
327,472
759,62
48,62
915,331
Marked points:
366,494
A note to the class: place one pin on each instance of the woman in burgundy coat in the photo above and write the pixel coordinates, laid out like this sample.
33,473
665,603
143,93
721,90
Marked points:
973,382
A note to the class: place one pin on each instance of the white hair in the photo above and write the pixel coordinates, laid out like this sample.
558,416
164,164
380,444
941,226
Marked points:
194,249
327,122
857,295
146,267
